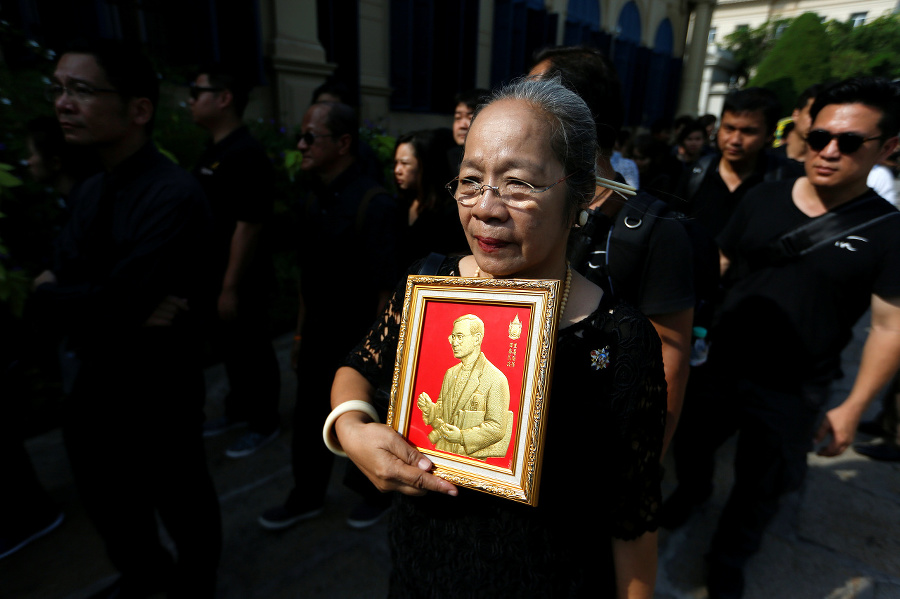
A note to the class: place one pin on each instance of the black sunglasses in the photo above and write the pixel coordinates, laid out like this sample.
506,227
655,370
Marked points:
196,90
310,138
847,143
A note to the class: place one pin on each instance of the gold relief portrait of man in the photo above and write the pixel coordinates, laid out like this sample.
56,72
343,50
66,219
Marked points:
471,416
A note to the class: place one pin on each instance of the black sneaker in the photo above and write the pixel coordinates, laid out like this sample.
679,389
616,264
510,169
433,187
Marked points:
250,443
885,452
222,424
13,540
280,518
367,514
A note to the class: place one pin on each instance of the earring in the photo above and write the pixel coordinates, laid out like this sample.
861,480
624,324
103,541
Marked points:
583,218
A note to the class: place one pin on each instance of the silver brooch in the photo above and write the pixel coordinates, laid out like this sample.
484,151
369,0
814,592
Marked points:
600,358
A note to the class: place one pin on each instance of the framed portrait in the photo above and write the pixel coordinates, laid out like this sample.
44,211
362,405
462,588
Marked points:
473,369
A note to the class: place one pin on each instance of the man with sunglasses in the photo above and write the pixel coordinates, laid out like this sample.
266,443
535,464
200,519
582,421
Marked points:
808,257
238,179
347,271
135,242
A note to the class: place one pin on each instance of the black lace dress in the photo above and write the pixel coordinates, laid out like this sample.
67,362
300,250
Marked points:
600,477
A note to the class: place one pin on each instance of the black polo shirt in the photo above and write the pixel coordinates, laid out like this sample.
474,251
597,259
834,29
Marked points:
238,178
136,235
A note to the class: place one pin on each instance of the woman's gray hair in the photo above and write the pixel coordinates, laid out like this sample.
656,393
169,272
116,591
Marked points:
573,139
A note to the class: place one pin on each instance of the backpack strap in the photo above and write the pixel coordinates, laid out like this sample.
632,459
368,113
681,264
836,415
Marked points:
819,232
630,235
698,173
431,264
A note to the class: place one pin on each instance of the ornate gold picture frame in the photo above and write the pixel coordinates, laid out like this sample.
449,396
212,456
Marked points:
473,369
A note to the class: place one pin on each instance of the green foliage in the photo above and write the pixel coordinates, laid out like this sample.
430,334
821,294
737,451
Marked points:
7,179
808,57
383,145
871,49
749,46
790,67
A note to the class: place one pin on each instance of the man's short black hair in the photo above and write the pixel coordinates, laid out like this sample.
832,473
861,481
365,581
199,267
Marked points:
874,92
707,119
590,74
471,98
809,93
228,77
690,127
335,88
127,68
342,120
682,121
755,99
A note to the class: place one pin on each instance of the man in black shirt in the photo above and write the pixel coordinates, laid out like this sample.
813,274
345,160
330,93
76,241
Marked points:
784,322
126,261
238,179
347,272
712,190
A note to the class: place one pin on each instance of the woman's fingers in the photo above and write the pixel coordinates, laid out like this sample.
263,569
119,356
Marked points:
390,462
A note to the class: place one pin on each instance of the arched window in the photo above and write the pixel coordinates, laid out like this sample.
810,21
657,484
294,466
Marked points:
520,28
664,77
582,20
433,52
630,61
663,42
629,24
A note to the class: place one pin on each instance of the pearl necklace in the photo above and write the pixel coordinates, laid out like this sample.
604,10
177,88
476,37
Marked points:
565,295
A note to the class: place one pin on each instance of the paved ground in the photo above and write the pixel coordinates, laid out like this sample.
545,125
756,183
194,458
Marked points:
838,537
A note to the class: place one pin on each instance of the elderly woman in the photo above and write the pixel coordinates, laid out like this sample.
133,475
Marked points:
527,171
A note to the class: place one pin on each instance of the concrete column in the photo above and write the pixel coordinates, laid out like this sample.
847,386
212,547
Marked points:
298,58
374,59
692,75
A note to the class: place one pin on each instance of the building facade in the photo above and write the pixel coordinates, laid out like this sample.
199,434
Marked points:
402,61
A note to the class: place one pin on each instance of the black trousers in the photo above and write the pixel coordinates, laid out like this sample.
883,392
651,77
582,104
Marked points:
250,362
775,430
132,429
24,503
322,351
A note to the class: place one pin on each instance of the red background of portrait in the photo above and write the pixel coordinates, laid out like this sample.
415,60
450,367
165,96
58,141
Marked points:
436,356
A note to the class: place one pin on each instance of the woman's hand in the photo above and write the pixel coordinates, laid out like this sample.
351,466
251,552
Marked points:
386,458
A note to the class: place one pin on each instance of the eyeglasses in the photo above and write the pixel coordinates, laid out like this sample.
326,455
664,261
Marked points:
511,192
196,90
457,337
847,143
309,138
79,92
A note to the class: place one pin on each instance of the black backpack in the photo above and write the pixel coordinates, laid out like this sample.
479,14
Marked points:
594,246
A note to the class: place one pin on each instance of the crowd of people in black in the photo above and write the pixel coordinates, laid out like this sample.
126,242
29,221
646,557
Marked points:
682,254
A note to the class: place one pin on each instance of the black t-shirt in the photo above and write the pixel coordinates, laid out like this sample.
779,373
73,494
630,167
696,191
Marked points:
713,203
238,178
788,323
